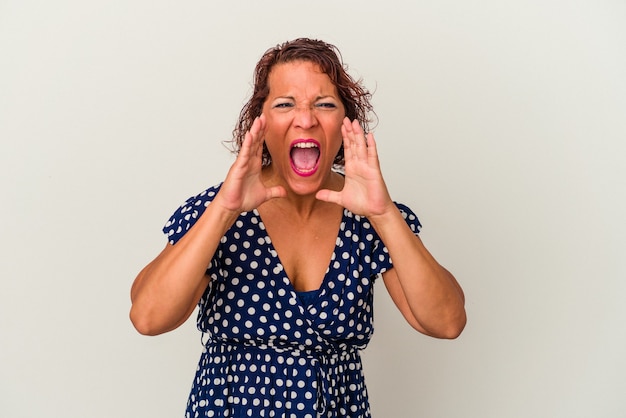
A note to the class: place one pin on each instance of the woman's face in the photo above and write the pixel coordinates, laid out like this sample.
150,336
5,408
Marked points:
303,115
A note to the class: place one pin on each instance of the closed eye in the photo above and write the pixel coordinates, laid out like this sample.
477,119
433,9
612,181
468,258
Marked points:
326,105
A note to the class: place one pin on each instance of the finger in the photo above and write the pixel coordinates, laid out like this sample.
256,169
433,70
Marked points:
349,144
359,141
244,150
356,128
252,145
276,191
258,126
372,150
360,138
257,131
330,196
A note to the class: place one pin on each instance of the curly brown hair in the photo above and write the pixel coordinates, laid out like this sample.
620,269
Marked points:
354,96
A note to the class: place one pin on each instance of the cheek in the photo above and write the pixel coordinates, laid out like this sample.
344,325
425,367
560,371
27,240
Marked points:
335,132
274,136
336,143
275,122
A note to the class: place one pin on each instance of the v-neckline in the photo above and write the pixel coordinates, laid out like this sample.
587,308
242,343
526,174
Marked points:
286,280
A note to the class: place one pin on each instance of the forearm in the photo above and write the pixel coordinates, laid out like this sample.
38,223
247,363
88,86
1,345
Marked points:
433,295
166,291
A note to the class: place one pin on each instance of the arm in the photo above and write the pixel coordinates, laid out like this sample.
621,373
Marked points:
167,290
428,296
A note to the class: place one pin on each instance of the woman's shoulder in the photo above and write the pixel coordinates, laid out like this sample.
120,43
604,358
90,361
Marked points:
188,213
202,199
410,217
407,213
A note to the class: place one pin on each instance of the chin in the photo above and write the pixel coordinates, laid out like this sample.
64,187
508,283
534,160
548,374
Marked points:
305,185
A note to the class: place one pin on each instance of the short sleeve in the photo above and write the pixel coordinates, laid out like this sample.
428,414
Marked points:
410,218
381,261
187,214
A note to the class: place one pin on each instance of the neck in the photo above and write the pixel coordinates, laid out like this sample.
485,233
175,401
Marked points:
302,206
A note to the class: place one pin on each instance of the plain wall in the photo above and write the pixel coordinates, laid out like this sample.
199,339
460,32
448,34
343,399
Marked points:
501,123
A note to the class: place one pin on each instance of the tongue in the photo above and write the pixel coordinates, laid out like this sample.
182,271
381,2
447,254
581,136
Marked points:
304,158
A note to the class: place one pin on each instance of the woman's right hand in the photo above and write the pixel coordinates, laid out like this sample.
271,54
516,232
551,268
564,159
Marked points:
166,291
243,189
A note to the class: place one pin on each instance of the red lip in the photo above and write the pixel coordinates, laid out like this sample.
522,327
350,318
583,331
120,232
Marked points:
299,171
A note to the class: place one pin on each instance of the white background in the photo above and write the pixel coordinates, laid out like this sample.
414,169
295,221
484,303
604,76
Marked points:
502,124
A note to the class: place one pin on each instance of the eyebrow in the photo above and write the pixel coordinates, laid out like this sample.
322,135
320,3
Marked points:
328,96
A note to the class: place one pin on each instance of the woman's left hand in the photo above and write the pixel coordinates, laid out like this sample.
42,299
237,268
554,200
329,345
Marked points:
428,296
364,192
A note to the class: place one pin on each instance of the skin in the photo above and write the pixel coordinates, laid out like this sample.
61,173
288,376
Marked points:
302,104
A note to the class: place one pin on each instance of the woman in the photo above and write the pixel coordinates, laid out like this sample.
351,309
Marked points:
293,247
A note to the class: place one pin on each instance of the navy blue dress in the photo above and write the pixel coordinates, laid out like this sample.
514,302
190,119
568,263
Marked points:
270,351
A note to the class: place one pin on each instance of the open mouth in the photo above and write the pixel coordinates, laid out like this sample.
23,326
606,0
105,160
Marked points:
305,155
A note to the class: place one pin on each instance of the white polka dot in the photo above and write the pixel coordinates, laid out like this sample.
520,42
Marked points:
279,374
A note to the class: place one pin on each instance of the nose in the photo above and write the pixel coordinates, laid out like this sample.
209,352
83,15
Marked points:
305,117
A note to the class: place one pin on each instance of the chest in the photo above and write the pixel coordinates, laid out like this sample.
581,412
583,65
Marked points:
304,247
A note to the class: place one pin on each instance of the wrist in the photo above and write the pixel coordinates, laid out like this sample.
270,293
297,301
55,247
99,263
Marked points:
388,216
221,214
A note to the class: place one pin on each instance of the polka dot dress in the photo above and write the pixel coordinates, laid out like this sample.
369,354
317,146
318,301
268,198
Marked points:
270,352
